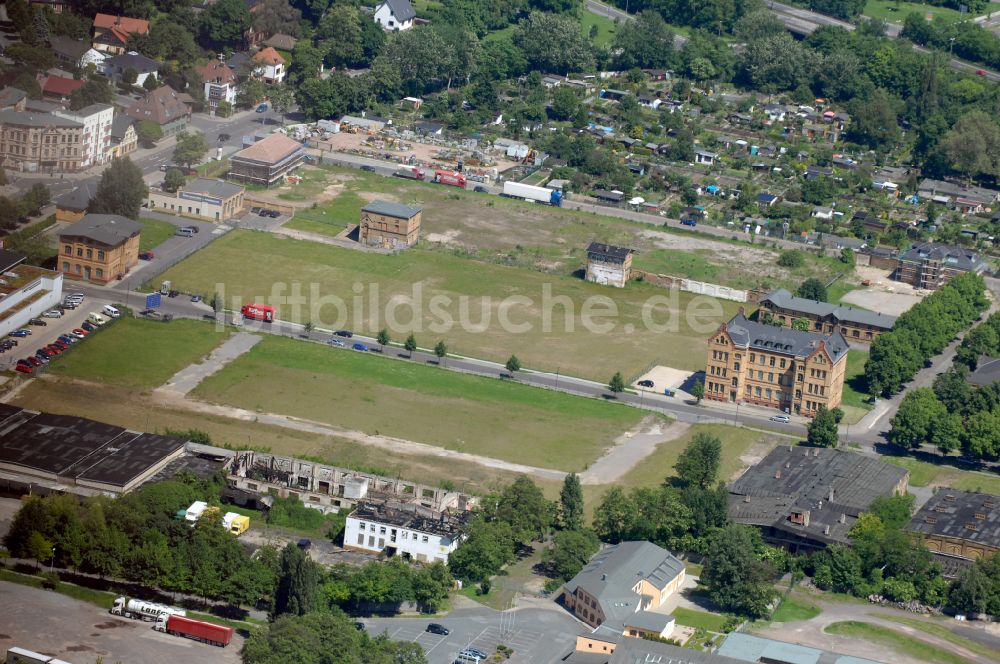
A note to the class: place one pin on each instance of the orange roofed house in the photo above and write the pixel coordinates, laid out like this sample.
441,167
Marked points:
269,66
766,365
112,32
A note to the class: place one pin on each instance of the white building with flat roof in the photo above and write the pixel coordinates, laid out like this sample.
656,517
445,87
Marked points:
406,530
26,291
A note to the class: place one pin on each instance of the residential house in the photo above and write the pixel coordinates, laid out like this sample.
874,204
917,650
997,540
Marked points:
34,142
389,225
410,531
649,101
609,265
429,128
931,265
959,525
613,197
68,51
124,140
705,157
211,200
117,65
281,41
164,107
550,81
766,199
395,15
111,33
96,120
269,66
621,589
822,213
814,171
776,367
774,113
99,248
966,199
220,83
809,498
58,87
858,325
13,99
267,161
71,207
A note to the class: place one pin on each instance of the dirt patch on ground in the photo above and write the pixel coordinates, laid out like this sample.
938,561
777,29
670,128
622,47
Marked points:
375,196
114,624
884,295
753,456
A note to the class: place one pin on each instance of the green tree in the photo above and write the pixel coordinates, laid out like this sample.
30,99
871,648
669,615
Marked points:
792,258
38,547
913,422
734,576
488,547
341,33
251,93
847,256
273,16
128,78
298,582
698,464
91,92
282,97
757,25
822,430
614,516
646,42
571,549
306,62
173,180
617,383
150,83
554,43
522,505
698,390
513,365
776,63
121,190
571,502
191,147
440,350
874,121
383,338
893,511
410,345
320,637
812,289
148,133
973,145
224,23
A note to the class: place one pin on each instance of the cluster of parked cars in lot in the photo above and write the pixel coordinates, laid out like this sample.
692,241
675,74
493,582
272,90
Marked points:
265,212
63,342
467,655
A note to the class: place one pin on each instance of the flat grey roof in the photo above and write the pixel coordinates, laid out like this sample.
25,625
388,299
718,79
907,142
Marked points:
217,188
29,119
784,299
109,229
960,514
390,209
751,648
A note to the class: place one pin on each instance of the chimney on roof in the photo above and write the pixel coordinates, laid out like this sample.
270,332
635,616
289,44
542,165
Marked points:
746,499
819,505
843,518
830,495
604,577
788,464
826,530
777,474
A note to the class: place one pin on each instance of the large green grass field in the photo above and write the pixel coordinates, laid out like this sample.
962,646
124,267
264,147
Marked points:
606,28
427,404
894,640
138,354
540,318
895,11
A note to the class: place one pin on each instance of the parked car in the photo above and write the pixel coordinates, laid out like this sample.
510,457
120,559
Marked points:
304,544
473,652
366,167
224,137
37,321
980,72
255,210
273,214
645,383
309,158
263,212
480,189
262,108
53,313
42,357
147,256
193,229
437,628
88,326
24,368
196,298
20,333
80,332
34,361
689,222
173,293
359,346
347,334
783,419
334,341
165,167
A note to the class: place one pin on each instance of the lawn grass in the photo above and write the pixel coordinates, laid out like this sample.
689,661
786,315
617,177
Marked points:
154,233
894,12
361,391
855,385
795,609
921,472
975,481
941,631
100,598
332,217
461,302
139,354
606,28
836,291
699,619
904,644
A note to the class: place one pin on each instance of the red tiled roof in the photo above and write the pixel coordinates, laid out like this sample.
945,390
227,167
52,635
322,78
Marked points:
60,85
217,71
125,24
272,149
269,56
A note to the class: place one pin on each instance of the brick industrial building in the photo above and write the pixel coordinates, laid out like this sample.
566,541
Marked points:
824,318
960,525
766,365
609,265
389,225
99,248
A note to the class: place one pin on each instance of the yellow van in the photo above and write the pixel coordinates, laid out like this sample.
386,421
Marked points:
96,318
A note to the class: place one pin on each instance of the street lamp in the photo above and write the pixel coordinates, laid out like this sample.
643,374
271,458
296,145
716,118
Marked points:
52,560
951,45
557,378
737,420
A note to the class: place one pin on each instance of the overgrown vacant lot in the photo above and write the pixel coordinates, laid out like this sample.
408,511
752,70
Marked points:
248,265
539,237
427,404
137,353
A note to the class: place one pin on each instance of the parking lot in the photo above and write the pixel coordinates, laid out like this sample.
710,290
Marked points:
538,636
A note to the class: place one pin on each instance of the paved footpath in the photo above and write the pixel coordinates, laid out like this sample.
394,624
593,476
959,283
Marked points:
629,450
191,376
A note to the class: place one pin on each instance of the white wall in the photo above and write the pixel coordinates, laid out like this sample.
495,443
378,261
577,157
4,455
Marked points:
51,283
377,536
384,17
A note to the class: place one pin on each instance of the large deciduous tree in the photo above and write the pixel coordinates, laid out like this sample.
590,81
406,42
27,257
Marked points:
225,22
120,191
735,577
191,147
571,502
973,145
554,43
646,42
298,583
822,430
698,464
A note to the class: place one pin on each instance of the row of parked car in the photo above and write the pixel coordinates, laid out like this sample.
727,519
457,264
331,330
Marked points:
265,212
63,342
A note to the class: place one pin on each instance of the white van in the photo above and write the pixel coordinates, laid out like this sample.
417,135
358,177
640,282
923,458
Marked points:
111,311
96,318
185,232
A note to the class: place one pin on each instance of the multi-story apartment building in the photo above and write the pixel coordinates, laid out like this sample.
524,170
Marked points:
269,66
96,120
931,265
34,142
794,371
410,531
781,307
220,83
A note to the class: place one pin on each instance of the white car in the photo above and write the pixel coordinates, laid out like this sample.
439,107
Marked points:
53,313
334,341
783,419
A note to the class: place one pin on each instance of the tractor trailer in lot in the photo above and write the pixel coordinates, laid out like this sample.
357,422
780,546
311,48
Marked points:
139,609
532,193
199,630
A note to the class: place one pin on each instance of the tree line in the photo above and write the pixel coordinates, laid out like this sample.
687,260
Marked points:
923,332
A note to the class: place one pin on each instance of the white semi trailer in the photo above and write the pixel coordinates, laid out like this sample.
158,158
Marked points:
139,609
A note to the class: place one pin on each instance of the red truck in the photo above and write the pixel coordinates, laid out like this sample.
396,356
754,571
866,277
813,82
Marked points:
217,635
453,178
264,312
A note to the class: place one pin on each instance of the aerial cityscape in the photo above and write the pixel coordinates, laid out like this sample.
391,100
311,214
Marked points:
533,331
